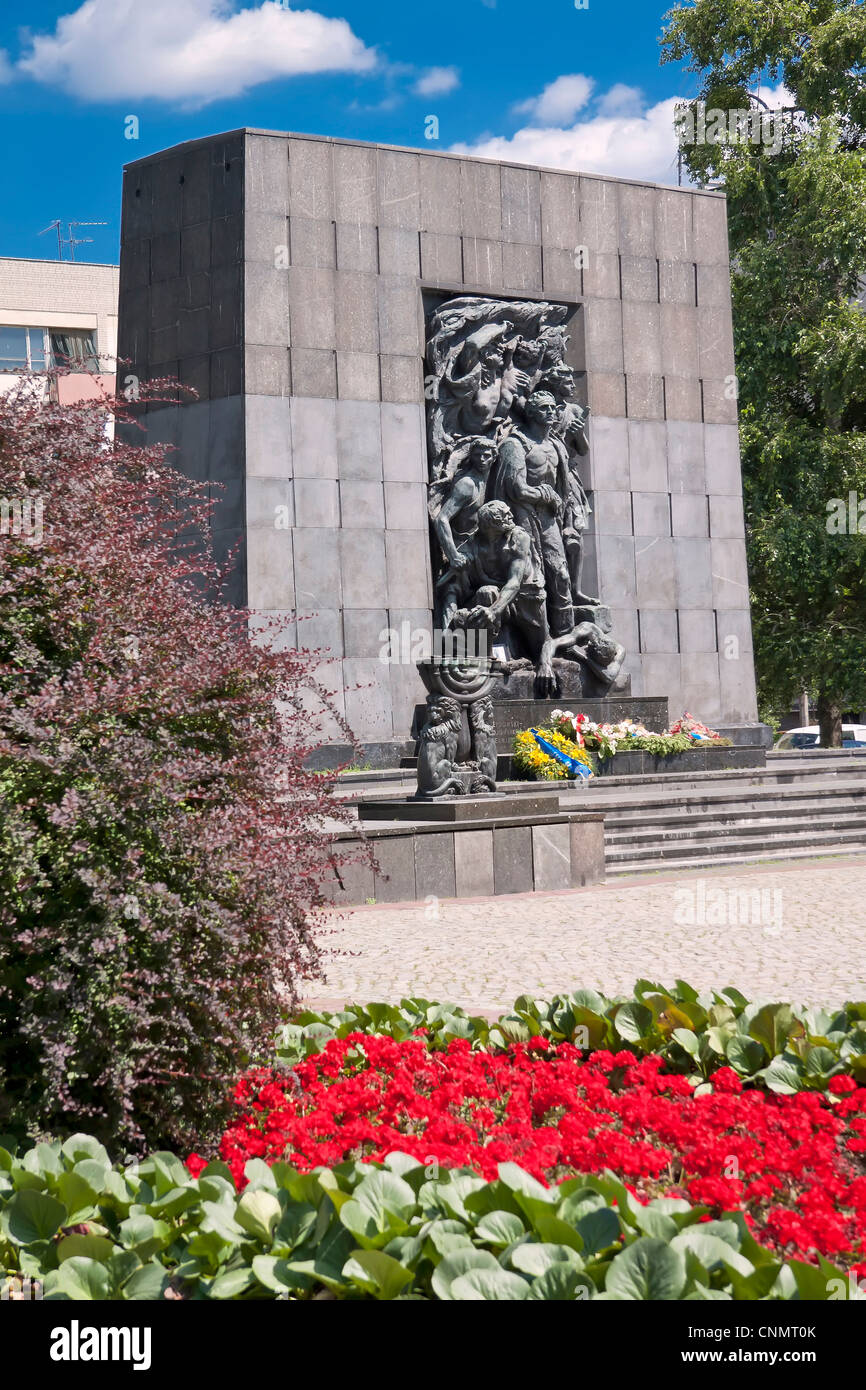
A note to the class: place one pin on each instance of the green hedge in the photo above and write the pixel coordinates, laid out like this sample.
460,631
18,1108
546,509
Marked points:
784,1047
84,1229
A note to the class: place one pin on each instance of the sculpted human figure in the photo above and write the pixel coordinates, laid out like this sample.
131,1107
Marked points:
531,478
499,580
573,429
455,502
592,644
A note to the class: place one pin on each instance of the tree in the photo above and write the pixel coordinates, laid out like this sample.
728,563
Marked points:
796,193
162,846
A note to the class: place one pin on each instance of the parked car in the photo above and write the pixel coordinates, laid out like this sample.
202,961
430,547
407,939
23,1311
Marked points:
853,736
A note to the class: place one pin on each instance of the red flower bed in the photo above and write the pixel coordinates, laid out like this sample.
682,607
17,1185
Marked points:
794,1164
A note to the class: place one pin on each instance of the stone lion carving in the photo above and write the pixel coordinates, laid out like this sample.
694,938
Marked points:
438,773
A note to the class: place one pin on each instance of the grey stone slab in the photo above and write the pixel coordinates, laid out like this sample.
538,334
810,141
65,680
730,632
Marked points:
312,308
399,251
609,453
195,372
358,376
275,629
521,267
697,631
663,672
616,569
587,852
734,631
194,249
434,865
363,630
604,336
353,887
401,327
359,440
683,398
395,880
625,625
356,311
399,189
404,458
311,179
167,196
654,572
227,240
601,275
673,225
512,859
268,427
317,569
726,518
362,505
551,858
165,302
658,630
607,393
700,689
677,282
714,285
269,502
314,437
473,863
163,348
719,399
693,561
480,201
221,424
195,193
640,278
730,576
613,515
402,378
441,258
193,332
646,396
225,321
266,370
227,177
482,262
737,691
599,213
312,243
317,502
686,470
270,581
165,256
637,219
560,210
679,340
226,372
355,184
722,453
561,273
439,187
690,514
321,631
652,513
357,247
716,341
266,174
647,456
521,204
267,305
406,506
409,567
266,238
709,214
362,564
368,697
314,372
641,338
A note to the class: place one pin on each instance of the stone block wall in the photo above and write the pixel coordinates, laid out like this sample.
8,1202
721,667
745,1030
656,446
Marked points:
282,276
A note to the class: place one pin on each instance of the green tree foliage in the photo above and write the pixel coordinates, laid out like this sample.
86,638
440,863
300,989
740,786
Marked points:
796,191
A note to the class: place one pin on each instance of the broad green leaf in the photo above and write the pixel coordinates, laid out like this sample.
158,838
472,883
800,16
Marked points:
457,1264
377,1272
489,1285
648,1269
84,1279
94,1247
32,1216
499,1228
258,1213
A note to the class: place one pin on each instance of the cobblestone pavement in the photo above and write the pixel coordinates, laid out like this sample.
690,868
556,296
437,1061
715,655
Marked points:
797,933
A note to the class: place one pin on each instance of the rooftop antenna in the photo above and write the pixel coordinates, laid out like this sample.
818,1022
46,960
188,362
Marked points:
70,240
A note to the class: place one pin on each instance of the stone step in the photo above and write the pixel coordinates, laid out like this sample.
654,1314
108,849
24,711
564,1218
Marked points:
630,868
709,829
729,813
658,850
661,798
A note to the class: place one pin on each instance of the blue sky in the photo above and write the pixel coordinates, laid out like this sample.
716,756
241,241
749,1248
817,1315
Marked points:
541,82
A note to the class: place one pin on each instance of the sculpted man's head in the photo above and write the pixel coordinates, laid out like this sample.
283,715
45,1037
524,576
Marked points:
542,405
482,454
495,516
560,380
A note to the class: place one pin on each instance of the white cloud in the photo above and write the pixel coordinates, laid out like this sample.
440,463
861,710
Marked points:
641,145
188,51
437,82
6,71
560,101
621,101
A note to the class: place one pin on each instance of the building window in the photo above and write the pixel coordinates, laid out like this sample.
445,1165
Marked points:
34,349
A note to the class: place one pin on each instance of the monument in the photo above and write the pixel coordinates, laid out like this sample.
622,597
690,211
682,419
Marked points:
439,391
